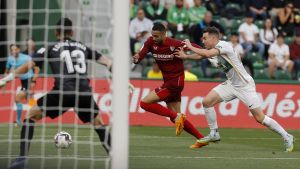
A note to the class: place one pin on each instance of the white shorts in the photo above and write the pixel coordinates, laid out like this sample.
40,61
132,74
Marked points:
280,63
247,94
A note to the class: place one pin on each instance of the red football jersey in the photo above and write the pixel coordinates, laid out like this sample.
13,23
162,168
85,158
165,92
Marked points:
170,66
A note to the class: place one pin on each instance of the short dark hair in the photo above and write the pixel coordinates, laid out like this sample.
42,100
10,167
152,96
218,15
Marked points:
212,31
13,44
64,25
159,27
280,35
234,34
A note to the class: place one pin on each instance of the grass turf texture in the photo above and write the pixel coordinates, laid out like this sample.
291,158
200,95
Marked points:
156,148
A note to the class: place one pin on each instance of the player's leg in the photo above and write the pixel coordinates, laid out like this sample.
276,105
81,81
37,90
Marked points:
103,133
19,97
188,126
149,103
249,97
26,136
20,70
87,111
274,126
222,92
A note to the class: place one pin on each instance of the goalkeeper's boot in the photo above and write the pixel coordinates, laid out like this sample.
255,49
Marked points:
2,83
215,138
289,143
18,163
179,122
198,145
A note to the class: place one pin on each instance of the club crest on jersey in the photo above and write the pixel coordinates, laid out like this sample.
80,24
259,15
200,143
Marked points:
172,48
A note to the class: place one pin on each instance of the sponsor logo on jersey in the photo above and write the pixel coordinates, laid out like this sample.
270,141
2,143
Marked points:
163,57
172,48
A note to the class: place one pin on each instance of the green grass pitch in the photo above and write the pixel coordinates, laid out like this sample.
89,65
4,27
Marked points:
155,148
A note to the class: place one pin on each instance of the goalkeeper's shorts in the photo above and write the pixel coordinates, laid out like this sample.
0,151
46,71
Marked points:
57,102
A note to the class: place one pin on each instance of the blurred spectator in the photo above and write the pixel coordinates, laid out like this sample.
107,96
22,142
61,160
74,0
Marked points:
275,7
154,72
189,3
133,9
249,36
178,18
234,41
188,75
279,56
197,29
295,52
268,35
215,6
297,14
285,20
30,47
155,11
197,12
139,28
258,8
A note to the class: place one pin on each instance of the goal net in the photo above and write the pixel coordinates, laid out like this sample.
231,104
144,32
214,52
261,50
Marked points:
25,20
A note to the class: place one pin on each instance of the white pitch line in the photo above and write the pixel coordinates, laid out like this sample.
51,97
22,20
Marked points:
163,137
102,158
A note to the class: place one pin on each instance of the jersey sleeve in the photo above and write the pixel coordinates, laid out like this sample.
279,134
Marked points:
39,57
145,49
223,48
92,54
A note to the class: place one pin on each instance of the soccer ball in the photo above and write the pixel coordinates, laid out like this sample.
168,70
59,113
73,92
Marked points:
62,140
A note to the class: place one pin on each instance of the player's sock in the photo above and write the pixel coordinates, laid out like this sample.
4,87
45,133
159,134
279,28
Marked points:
211,118
26,136
9,77
189,127
274,126
160,110
104,136
19,111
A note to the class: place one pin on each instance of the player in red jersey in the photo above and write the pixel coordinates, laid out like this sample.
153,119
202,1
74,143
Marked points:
162,49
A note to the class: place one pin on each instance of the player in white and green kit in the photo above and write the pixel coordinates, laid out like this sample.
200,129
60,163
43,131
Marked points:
239,84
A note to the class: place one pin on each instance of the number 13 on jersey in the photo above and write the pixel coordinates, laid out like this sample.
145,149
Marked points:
78,55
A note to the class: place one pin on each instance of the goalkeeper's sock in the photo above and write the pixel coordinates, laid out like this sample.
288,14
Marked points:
26,136
9,77
104,136
274,126
211,119
19,111
160,110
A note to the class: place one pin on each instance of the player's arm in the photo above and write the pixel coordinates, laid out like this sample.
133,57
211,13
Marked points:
206,53
104,60
36,71
182,55
137,58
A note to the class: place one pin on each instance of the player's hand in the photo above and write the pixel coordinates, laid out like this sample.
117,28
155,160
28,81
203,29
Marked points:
135,58
187,43
131,88
180,53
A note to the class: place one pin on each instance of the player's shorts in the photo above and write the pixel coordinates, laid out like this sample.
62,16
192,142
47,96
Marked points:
25,84
247,94
56,103
171,90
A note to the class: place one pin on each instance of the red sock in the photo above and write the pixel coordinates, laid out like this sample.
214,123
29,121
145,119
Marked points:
189,127
160,110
